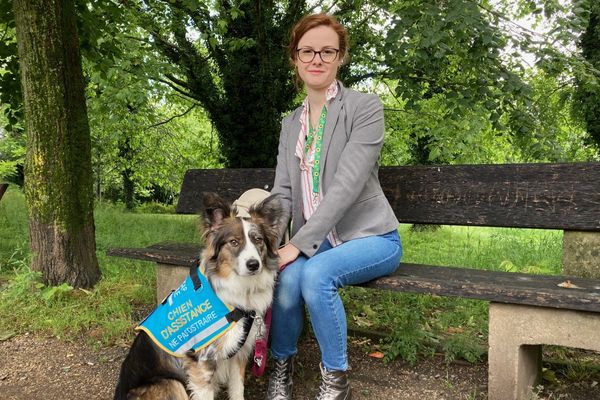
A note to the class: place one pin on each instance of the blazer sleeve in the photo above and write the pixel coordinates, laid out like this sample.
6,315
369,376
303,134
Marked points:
354,168
282,185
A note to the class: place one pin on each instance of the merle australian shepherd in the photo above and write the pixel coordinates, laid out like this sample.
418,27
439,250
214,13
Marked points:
240,261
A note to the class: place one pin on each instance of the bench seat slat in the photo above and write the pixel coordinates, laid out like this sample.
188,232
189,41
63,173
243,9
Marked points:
185,254
503,287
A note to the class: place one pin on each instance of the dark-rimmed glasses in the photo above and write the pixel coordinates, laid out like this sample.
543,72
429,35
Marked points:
327,55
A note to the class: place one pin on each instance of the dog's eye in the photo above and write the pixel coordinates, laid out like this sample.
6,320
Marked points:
257,240
234,242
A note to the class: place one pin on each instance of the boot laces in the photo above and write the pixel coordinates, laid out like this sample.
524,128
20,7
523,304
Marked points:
279,379
327,386
325,389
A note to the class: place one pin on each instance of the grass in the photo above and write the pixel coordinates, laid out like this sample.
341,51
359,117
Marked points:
103,315
416,325
422,324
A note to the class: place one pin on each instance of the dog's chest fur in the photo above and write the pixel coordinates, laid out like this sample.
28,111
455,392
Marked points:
234,283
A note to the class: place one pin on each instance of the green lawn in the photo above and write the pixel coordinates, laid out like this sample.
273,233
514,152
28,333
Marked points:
423,324
416,324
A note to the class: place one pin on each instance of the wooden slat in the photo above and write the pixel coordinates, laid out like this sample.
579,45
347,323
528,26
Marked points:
186,254
228,183
551,196
503,287
555,196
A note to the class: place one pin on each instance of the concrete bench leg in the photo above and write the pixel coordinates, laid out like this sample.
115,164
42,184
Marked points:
516,333
168,278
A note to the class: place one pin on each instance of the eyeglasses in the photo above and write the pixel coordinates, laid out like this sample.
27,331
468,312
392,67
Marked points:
327,55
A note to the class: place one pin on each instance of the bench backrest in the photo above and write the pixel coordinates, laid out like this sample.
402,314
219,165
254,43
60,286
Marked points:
552,196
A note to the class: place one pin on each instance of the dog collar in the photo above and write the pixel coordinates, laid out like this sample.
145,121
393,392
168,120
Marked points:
192,317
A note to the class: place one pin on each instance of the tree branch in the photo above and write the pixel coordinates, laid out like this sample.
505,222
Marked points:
172,118
189,95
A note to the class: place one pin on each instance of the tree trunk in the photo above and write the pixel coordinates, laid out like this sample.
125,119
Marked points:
3,187
126,154
244,90
588,94
58,177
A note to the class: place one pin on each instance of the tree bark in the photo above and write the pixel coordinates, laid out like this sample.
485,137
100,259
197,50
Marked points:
3,187
58,171
588,94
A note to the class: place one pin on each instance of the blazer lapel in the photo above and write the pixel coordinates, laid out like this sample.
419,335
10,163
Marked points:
295,161
333,114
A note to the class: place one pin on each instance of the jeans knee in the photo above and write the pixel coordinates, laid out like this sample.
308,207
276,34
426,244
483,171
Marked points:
287,292
315,285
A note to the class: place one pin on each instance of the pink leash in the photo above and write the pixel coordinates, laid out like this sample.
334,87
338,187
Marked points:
262,347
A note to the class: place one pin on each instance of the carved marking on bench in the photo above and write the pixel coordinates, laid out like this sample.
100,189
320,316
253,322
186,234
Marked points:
521,196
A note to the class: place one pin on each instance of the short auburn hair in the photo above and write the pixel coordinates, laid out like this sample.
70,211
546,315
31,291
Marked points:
311,21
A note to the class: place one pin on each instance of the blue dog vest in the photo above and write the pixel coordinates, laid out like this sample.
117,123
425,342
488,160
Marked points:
190,318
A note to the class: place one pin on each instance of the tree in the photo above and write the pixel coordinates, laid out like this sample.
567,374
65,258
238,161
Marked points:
58,174
232,60
587,98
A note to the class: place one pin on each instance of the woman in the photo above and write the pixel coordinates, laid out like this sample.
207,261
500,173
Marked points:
343,229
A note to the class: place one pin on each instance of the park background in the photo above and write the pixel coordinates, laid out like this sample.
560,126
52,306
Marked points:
166,86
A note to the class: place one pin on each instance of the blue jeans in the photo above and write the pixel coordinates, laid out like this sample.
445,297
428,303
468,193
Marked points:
315,282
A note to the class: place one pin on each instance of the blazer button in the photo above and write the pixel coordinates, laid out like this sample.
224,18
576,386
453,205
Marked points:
315,246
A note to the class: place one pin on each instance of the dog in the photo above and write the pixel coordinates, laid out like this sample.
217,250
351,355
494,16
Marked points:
240,263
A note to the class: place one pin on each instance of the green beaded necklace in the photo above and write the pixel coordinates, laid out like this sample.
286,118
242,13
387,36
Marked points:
317,138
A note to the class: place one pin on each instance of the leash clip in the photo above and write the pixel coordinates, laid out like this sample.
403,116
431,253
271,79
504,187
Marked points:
258,360
260,327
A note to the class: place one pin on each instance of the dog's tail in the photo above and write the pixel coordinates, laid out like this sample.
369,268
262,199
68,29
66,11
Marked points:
148,373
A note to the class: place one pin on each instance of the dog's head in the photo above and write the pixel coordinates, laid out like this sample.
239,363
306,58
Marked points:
241,246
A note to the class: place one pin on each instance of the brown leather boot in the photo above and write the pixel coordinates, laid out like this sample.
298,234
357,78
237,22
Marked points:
280,380
334,386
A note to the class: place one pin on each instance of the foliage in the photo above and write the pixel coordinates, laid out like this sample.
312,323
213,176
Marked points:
126,292
103,315
12,154
420,325
468,139
451,53
587,98
144,134
10,86
457,88
470,58
14,232
230,59
545,130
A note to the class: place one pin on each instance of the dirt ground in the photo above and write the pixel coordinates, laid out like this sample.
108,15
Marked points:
33,367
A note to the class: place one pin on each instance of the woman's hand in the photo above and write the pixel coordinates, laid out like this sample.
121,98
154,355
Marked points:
287,254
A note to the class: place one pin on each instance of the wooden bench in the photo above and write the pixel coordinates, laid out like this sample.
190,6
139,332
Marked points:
526,311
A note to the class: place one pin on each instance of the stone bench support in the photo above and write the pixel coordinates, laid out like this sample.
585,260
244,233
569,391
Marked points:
168,278
516,336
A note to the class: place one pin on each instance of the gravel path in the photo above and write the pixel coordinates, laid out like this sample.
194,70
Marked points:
33,367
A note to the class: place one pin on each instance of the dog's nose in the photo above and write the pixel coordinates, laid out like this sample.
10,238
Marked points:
252,264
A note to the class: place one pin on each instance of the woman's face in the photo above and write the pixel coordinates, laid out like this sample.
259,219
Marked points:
317,74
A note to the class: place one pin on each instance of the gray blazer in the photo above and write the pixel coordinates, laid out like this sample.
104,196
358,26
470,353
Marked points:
353,201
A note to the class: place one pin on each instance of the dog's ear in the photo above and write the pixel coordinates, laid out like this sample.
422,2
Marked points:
269,213
215,211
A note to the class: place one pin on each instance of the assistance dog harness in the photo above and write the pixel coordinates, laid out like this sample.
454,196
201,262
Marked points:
191,317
